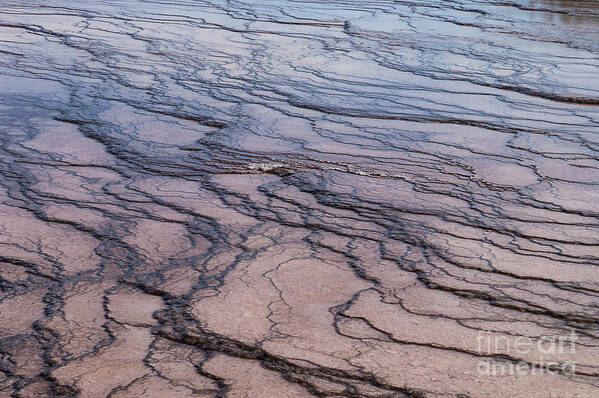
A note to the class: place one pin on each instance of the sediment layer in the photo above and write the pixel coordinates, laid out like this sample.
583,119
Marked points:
298,198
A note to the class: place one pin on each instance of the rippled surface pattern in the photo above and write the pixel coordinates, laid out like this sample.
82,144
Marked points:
299,198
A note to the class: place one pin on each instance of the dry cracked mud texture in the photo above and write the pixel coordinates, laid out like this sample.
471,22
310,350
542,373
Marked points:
285,198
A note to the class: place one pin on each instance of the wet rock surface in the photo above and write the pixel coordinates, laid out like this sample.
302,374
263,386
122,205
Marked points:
299,198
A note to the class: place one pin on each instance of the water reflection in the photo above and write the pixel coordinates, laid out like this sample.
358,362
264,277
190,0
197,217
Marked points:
566,12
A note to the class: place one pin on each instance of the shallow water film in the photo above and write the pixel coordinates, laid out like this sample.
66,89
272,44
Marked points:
270,198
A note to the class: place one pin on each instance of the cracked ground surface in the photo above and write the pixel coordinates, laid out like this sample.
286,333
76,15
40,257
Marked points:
294,198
